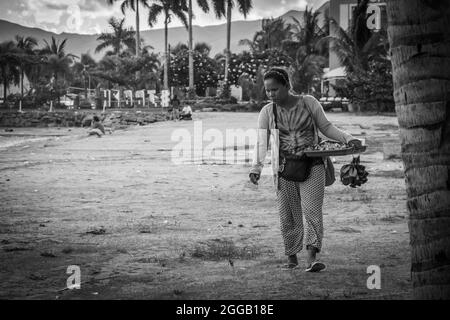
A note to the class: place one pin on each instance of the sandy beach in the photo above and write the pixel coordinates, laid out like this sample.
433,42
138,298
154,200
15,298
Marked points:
141,227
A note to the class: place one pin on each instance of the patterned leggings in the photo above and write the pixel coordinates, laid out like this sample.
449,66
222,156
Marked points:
295,198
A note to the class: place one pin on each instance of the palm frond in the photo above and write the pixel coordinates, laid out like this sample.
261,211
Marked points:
220,8
204,5
124,6
154,11
181,15
245,6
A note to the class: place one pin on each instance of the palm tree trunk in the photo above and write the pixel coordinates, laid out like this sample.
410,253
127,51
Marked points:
227,52
138,35
55,87
417,35
21,88
166,54
5,85
191,53
85,87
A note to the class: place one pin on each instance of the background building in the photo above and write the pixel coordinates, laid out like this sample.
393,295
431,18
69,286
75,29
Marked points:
342,12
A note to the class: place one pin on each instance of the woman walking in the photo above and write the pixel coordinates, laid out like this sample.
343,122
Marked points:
290,123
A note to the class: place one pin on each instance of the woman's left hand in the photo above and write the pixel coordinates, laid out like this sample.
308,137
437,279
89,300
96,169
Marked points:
355,143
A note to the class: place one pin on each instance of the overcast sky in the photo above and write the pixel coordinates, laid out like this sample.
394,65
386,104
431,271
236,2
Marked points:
90,16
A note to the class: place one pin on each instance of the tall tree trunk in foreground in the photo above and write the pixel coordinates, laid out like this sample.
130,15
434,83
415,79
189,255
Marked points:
419,37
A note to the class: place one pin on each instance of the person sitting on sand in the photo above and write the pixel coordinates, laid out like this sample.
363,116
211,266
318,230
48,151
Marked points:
186,113
97,128
291,120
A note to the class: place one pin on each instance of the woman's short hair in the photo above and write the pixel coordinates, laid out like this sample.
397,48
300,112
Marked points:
96,119
278,74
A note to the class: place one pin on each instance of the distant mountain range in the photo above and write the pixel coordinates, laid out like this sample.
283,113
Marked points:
213,35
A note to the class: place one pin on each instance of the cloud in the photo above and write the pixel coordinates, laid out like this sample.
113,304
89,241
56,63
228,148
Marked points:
91,16
54,6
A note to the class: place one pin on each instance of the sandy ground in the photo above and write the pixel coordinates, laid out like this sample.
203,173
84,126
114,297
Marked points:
141,227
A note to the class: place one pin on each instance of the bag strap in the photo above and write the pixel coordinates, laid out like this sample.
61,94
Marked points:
316,133
275,114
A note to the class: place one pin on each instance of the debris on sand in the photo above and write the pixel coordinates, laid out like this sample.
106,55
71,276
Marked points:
48,254
14,249
146,229
36,277
97,231
177,292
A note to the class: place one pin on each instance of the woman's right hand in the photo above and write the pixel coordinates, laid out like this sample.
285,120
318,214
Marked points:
254,177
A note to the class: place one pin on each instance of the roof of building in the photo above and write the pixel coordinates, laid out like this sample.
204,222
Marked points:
335,73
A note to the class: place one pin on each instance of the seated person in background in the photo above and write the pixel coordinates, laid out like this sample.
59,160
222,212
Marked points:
186,113
97,128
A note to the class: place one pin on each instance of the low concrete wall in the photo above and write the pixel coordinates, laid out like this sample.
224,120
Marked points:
79,118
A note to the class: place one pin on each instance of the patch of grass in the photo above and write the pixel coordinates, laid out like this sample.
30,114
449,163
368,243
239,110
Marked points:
363,197
67,250
14,249
395,174
160,261
221,249
385,127
392,218
347,230
79,249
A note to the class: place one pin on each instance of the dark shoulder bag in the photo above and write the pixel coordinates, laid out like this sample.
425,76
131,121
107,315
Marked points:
293,168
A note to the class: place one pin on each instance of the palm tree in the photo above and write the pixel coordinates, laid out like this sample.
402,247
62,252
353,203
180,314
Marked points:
203,48
418,36
223,8
304,50
85,67
57,61
119,39
134,5
168,8
26,46
203,4
9,60
179,48
272,34
122,70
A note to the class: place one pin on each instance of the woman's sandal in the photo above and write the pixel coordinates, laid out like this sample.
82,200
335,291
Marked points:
316,267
